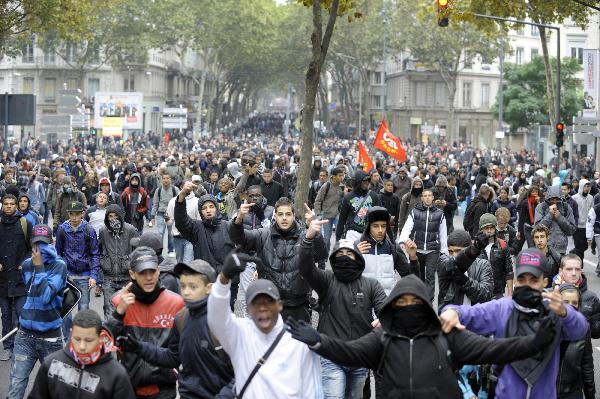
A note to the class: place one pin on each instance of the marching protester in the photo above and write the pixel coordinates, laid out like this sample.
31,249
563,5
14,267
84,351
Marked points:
354,207
497,253
328,201
558,217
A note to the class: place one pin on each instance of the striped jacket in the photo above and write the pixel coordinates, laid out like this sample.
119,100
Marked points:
41,312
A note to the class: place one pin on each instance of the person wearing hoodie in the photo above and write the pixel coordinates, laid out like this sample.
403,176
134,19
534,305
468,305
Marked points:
87,358
529,309
381,255
347,302
70,193
205,371
482,177
135,202
558,217
479,206
409,200
402,183
411,336
114,245
105,186
26,211
585,202
209,236
496,251
390,201
504,201
354,208
316,169
445,199
427,228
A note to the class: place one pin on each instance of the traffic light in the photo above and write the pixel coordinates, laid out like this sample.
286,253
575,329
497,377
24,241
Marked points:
93,132
443,12
560,134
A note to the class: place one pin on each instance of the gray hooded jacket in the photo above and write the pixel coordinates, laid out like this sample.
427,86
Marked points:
560,228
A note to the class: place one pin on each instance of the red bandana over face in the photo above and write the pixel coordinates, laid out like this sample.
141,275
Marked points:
85,359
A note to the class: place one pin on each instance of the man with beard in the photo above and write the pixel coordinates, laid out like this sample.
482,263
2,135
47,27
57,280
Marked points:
535,376
584,202
135,202
145,311
277,247
354,208
114,246
347,302
209,236
411,336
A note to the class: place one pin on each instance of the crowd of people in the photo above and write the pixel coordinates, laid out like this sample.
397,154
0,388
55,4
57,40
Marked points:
214,286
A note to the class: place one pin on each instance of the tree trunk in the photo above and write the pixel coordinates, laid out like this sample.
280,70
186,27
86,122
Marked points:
201,96
450,131
324,106
320,46
549,80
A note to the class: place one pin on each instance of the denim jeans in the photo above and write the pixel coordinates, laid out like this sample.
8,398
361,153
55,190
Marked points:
428,263
149,213
161,225
110,288
342,382
82,282
326,231
184,250
10,306
27,351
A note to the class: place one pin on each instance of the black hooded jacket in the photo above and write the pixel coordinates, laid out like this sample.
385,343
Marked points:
115,246
427,369
351,217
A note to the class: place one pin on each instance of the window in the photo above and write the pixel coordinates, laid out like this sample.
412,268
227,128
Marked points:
577,52
519,55
521,31
2,88
485,95
50,90
535,32
468,60
129,83
49,57
72,83
441,94
28,85
534,53
93,87
95,58
28,52
467,89
71,52
376,101
377,78
420,93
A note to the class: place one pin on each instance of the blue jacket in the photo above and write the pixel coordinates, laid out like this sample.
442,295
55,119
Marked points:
41,311
491,318
80,253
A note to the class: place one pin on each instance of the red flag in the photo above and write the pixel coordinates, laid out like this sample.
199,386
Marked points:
363,158
387,142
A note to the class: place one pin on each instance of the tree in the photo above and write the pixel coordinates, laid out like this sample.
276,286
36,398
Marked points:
525,94
320,40
447,50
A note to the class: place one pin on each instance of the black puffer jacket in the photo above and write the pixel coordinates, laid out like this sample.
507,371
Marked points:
476,208
346,308
280,254
427,370
590,307
454,285
426,227
14,250
115,250
576,370
502,266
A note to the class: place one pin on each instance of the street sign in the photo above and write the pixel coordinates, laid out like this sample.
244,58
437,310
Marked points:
579,121
584,128
56,120
21,109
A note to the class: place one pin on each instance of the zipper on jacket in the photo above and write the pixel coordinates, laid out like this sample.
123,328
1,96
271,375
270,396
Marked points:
80,378
410,370
426,228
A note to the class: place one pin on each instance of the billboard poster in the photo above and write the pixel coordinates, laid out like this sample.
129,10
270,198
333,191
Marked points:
590,83
127,106
112,127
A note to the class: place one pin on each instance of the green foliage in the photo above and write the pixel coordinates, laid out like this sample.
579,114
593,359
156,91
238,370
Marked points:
525,96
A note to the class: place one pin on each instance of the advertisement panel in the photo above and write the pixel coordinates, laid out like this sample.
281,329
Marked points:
590,83
112,127
127,106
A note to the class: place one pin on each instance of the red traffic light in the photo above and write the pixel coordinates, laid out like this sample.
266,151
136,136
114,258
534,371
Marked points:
560,126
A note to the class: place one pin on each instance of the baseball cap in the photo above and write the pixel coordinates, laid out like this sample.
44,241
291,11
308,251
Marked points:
143,258
75,206
104,180
147,239
261,286
198,266
41,233
531,260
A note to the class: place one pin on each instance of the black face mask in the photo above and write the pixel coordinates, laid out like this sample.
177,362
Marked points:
135,187
417,190
527,297
346,269
411,320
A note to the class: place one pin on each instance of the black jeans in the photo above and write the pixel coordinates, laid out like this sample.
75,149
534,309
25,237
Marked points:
300,312
580,242
428,264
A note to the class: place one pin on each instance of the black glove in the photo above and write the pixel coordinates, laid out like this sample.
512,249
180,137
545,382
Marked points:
303,332
235,263
459,278
545,334
481,241
127,343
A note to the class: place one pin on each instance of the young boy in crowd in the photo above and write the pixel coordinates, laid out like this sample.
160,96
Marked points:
505,231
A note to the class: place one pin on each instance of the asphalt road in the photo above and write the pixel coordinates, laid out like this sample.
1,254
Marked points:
590,262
